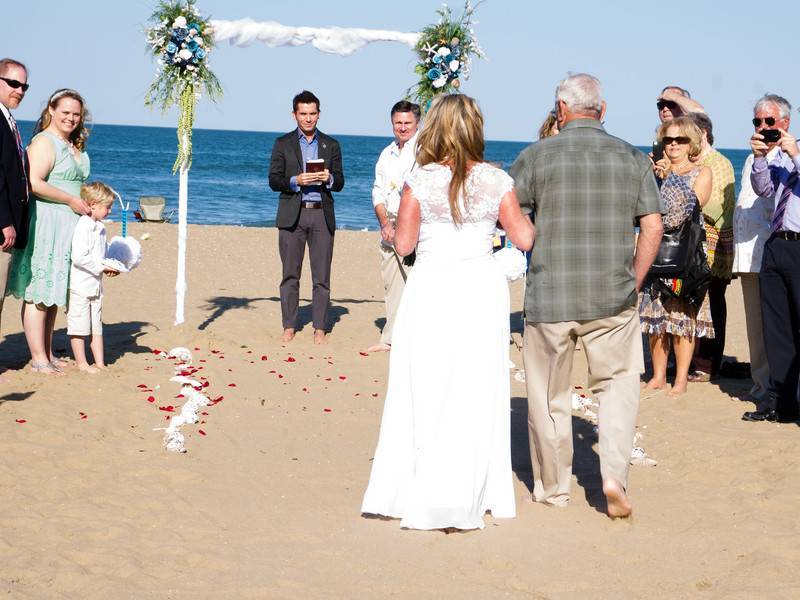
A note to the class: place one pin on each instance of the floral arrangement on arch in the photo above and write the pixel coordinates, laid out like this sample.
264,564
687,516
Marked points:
181,39
445,51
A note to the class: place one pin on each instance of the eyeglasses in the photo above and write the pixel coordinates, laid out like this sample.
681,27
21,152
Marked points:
769,122
682,140
13,83
662,104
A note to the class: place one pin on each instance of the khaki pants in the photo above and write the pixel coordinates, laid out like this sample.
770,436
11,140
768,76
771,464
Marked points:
759,369
613,347
5,267
394,275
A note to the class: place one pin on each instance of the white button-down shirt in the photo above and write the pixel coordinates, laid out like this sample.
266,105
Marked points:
751,222
88,252
394,166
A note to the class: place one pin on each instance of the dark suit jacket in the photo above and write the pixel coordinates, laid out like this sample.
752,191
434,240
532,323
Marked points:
287,162
13,186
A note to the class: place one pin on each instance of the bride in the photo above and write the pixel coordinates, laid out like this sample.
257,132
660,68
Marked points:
444,456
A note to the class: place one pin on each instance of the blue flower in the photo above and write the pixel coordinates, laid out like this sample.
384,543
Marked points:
192,45
195,26
437,58
199,54
434,74
181,33
455,51
171,48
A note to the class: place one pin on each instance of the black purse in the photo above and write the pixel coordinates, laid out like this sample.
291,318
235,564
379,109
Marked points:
677,246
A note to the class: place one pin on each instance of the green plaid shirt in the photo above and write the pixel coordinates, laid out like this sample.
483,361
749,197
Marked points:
585,189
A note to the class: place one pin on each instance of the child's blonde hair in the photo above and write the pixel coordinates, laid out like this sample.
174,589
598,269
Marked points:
97,193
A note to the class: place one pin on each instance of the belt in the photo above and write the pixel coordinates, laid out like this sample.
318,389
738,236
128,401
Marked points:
307,204
787,235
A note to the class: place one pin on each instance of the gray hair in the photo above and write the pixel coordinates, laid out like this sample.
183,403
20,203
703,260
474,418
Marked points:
683,92
582,93
784,108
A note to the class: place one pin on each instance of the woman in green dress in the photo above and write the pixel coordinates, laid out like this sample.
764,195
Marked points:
40,273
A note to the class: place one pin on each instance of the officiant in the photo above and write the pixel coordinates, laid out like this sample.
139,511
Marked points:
306,167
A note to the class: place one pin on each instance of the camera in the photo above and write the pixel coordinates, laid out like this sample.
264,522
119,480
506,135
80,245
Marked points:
770,135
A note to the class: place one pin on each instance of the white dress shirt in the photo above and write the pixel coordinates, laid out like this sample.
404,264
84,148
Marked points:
393,167
7,115
88,252
751,222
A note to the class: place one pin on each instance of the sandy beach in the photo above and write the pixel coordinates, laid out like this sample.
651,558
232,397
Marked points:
265,503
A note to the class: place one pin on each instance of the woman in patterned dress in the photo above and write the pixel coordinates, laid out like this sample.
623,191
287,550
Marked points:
667,320
40,273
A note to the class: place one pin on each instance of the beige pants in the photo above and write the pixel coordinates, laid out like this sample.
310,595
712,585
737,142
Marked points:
613,347
5,267
759,369
394,275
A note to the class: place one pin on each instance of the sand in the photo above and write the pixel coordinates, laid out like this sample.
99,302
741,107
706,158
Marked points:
266,504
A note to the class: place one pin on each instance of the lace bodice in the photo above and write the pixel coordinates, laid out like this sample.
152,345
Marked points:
439,237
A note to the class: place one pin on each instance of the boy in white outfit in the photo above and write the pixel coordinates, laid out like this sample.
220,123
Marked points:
84,313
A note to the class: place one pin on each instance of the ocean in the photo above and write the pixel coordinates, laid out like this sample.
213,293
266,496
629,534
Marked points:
228,179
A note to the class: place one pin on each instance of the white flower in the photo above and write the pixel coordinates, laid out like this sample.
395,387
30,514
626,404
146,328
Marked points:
200,41
444,51
190,67
185,54
437,83
192,32
179,22
453,65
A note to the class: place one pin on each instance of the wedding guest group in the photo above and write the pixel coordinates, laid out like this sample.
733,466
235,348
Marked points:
586,189
305,168
14,179
393,168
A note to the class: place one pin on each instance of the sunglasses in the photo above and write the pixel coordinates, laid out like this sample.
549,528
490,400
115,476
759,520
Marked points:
13,83
682,140
662,104
769,122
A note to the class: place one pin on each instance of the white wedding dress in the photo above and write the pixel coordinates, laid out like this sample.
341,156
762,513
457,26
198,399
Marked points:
444,453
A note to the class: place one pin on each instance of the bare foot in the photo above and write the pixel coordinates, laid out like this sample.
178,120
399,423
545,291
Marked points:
319,336
60,362
678,388
656,383
379,348
619,507
88,369
288,334
100,367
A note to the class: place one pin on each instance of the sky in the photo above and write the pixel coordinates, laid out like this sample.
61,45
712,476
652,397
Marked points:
720,50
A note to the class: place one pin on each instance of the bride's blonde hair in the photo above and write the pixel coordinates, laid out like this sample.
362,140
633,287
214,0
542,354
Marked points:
452,135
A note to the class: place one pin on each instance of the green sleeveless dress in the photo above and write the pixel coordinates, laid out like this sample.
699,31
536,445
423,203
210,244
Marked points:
40,273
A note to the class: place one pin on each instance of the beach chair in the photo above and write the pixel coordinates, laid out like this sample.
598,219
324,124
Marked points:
151,208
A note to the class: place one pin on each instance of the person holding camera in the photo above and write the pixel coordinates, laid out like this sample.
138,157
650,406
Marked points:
777,179
752,221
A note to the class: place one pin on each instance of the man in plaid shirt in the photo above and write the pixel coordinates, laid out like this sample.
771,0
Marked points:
586,190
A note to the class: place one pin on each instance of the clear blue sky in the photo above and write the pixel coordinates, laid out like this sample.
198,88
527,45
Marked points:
718,50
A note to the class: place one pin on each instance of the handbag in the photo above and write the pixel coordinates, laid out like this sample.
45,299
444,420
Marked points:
676,247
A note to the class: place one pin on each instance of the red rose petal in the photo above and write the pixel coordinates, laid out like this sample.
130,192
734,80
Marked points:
151,399
273,371
196,349
374,395
249,351
327,379
356,395
141,386
20,420
204,414
305,389
264,357
364,353
326,409
291,359
280,376
343,377
168,408
201,432
231,385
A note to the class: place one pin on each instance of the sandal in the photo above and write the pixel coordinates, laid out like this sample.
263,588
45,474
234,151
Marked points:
47,368
699,377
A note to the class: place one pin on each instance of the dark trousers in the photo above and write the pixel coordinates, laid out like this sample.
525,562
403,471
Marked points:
312,229
709,351
779,281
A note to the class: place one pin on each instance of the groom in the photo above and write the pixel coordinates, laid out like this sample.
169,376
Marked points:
305,211
586,189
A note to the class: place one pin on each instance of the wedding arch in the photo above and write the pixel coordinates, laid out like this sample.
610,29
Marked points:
180,38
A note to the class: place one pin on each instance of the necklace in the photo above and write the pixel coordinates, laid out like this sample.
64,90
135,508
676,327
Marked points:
62,138
681,168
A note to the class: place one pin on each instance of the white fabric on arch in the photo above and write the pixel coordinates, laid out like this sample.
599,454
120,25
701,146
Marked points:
335,40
